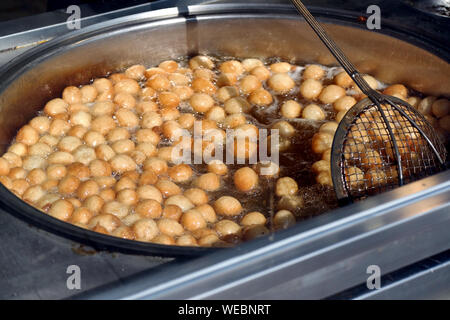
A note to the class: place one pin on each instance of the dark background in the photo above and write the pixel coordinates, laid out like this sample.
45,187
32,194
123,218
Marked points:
13,9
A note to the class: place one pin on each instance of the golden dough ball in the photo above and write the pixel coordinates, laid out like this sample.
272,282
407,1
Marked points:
208,182
204,73
343,80
291,109
291,203
149,208
186,240
43,150
322,141
27,135
121,163
201,102
249,83
148,177
226,79
94,203
227,227
99,168
6,181
159,82
71,95
87,189
61,209
124,232
251,63
181,201
375,178
260,97
125,100
207,212
170,227
201,233
116,208
186,120
440,108
18,173
172,212
340,115
414,101
280,67
196,195
158,165
234,120
286,130
227,206
33,194
216,113
227,92
104,152
169,66
117,77
444,123
201,62
281,83
84,154
245,149
127,85
108,221
180,173
179,79
396,89
102,108
78,170
232,66
344,103
33,162
168,99
329,127
93,138
59,127
236,105
102,85
19,186
36,176
203,85
371,81
331,93
103,124
324,178
245,179
313,112
155,70
310,89
313,71
426,104
253,218
149,192
88,93
192,220
81,215
208,240
147,135
136,72
354,177
53,141
217,167
261,72
283,219
127,118
172,130
13,159
74,108
164,239
286,186
40,124
68,185
168,188
145,229
146,106
321,165
60,157
19,148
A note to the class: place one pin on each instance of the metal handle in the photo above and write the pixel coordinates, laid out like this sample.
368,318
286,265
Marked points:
333,47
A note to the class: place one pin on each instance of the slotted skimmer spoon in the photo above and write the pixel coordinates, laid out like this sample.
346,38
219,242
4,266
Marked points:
382,142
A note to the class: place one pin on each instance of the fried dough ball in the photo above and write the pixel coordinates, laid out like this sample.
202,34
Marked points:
245,179
253,218
227,227
201,62
310,89
291,109
208,182
145,229
440,108
286,186
217,167
281,83
261,72
396,89
354,177
324,178
331,93
313,112
192,220
201,102
283,219
322,141
227,206
181,201
344,103
196,195
232,66
61,209
313,71
286,130
260,97
180,173
329,127
280,67
343,80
